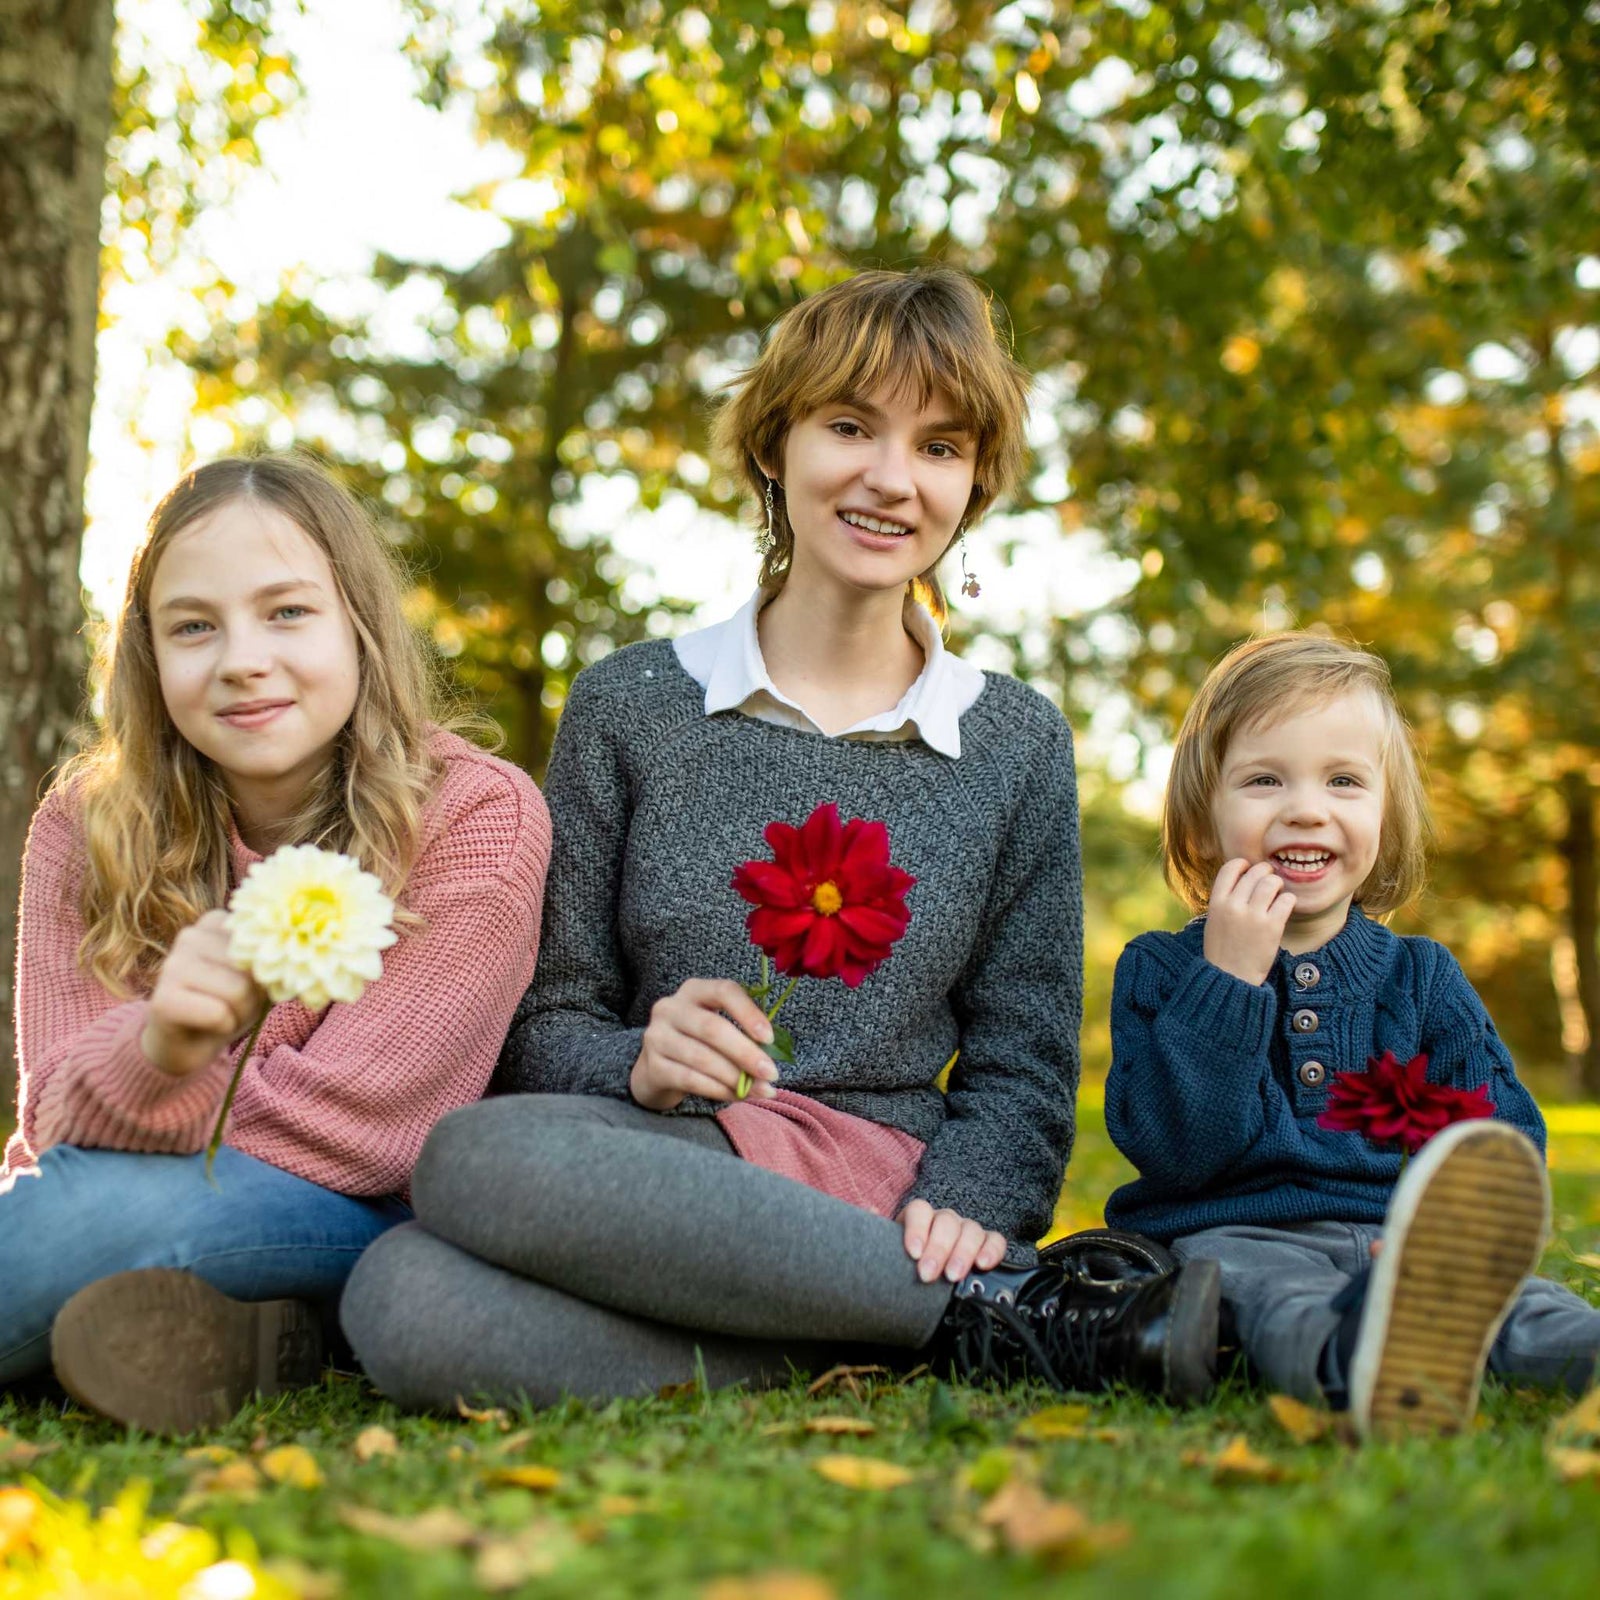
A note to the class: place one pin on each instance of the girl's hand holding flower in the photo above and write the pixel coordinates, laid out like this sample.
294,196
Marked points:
1245,917
691,1047
201,1001
947,1242
308,925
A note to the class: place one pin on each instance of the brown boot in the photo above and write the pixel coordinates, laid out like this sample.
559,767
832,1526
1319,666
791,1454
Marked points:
164,1351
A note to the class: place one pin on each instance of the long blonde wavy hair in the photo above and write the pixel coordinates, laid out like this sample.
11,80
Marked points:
156,812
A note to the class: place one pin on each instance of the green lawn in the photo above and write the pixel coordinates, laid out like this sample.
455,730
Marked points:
665,1497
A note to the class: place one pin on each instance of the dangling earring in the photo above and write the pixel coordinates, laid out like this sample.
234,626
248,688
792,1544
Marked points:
970,586
771,536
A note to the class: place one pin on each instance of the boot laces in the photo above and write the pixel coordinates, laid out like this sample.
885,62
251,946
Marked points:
992,1340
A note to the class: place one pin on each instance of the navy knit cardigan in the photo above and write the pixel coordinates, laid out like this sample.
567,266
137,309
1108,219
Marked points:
1216,1084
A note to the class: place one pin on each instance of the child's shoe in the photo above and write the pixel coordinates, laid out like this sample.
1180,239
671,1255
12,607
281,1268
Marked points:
1465,1227
164,1351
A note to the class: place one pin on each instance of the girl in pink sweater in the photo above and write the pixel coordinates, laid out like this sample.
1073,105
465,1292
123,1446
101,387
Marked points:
262,687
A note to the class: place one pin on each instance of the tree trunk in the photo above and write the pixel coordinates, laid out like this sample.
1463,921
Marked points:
1583,922
55,117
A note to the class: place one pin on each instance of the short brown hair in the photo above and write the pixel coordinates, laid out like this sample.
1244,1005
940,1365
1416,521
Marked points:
926,330
1259,683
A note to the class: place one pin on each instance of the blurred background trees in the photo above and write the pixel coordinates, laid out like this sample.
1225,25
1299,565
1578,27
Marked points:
1311,291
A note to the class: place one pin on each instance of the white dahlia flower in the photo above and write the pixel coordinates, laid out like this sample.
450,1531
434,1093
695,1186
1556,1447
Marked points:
311,926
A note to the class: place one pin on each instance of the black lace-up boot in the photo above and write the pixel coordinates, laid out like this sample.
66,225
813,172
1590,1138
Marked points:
1109,1256
1158,1334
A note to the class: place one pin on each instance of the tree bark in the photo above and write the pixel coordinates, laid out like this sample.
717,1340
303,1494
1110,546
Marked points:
1583,921
55,118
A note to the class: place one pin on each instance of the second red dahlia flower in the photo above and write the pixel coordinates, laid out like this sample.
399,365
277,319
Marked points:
829,904
1394,1104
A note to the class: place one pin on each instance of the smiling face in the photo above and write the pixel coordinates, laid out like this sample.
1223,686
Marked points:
875,487
1306,793
256,654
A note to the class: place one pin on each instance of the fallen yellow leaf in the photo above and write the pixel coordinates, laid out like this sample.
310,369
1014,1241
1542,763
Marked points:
303,1582
1587,1260
437,1528
493,1414
525,1477
770,1586
1030,1523
508,1563
234,1480
619,1505
214,1453
373,1442
1572,1465
853,1425
1582,1421
15,1452
294,1465
844,1378
1236,1460
862,1472
1304,1424
1055,1422
990,1471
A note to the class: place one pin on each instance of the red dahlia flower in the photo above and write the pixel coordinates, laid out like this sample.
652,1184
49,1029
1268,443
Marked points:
1394,1104
828,905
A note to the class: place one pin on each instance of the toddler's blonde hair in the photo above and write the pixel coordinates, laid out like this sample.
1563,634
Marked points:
1257,684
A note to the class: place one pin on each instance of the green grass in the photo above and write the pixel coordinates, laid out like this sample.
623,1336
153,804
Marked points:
724,1484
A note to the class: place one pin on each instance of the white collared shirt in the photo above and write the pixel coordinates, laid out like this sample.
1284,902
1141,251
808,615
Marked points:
725,660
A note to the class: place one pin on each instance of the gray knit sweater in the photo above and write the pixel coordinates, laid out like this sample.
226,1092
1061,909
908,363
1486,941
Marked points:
654,804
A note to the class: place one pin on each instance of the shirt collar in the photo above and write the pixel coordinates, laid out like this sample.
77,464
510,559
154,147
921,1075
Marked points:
729,663
1358,954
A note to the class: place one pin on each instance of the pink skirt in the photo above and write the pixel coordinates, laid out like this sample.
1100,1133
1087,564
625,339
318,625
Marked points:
861,1162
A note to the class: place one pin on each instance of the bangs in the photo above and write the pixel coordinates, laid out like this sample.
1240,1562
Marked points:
902,335
896,349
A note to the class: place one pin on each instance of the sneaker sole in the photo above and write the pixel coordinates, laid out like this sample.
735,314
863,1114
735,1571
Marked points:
1465,1228
1189,1361
162,1350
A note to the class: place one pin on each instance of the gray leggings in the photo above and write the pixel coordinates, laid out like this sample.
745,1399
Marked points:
575,1245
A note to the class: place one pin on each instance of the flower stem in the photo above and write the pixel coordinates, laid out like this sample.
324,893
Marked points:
782,998
746,1084
227,1100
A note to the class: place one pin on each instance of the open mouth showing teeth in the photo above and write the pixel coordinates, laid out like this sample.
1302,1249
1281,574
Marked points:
1303,858
874,524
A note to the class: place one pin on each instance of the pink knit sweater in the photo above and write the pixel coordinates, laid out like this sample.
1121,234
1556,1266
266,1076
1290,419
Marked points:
344,1097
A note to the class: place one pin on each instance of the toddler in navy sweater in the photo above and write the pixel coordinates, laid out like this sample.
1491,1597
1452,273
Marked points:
1295,814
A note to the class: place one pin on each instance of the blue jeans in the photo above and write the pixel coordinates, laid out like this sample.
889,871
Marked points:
261,1234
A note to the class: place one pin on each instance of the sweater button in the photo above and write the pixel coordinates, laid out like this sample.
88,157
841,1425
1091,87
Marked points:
1311,1073
1307,974
1304,1021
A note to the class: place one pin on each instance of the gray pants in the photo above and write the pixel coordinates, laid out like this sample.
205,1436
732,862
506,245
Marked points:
575,1245
1281,1282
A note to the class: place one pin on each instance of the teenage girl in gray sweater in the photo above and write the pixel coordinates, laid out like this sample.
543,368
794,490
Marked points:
591,1235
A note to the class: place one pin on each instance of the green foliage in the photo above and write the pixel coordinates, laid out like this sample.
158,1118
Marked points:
1310,289
185,125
